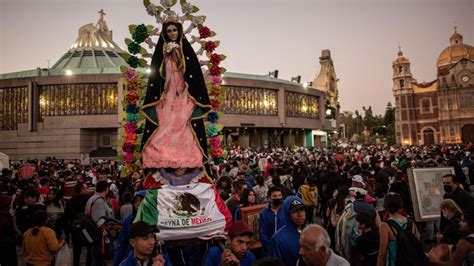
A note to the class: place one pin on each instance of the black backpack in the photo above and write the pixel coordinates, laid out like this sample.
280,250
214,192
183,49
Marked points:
409,249
84,229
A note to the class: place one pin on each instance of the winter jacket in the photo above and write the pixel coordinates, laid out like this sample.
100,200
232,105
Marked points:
268,224
285,244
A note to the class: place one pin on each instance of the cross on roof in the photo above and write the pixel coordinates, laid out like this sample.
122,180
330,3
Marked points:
102,14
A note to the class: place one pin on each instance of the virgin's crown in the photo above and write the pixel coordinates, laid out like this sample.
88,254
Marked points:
171,16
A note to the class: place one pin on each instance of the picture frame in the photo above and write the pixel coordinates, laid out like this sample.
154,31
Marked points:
427,191
251,216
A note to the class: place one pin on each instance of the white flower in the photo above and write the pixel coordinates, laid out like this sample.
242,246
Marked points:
167,3
152,9
198,20
171,46
187,8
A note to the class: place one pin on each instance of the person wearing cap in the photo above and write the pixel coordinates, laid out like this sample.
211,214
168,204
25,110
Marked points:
285,243
362,201
143,240
123,246
237,253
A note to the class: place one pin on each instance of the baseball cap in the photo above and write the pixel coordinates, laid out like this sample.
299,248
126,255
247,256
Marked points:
239,228
141,229
358,178
296,205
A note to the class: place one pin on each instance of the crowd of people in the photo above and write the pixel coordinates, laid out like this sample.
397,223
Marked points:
346,204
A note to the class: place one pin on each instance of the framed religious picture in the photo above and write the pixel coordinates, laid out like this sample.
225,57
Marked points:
427,191
251,216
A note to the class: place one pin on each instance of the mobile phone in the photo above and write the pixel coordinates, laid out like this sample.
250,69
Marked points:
157,249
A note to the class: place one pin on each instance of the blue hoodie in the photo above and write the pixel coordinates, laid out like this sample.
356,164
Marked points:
268,224
123,246
285,244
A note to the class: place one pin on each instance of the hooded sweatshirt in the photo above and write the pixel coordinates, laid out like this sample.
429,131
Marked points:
123,247
268,225
285,243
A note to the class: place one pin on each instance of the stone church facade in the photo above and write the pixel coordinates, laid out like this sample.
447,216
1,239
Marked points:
439,111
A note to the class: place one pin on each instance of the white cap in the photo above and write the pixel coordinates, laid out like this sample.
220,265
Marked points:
358,178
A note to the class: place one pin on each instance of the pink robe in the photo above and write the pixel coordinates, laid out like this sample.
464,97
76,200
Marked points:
173,143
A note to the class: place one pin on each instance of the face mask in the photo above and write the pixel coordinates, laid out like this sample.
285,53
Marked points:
448,188
277,202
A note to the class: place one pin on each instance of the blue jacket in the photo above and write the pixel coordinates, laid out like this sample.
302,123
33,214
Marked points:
285,244
268,224
214,254
123,245
132,261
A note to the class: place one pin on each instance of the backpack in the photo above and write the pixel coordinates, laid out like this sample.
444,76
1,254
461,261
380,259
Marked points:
346,231
84,229
409,249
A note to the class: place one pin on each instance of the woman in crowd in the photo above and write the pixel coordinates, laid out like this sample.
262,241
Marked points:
247,198
335,208
40,242
451,233
261,189
388,239
55,210
224,187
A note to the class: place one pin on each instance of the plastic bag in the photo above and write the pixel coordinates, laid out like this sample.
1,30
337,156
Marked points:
64,256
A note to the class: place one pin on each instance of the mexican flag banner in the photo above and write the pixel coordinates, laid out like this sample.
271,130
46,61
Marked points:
184,212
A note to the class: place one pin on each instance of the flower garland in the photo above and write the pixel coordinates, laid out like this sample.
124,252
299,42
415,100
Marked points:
133,121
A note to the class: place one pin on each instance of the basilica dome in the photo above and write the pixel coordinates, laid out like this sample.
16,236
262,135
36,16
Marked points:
455,52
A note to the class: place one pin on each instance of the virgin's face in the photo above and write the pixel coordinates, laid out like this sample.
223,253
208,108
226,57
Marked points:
172,32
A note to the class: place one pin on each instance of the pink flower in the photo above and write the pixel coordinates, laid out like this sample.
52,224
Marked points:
215,142
130,127
130,74
216,80
128,158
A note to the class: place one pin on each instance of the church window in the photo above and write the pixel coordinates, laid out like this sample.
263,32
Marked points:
13,107
77,99
255,101
400,69
425,106
402,83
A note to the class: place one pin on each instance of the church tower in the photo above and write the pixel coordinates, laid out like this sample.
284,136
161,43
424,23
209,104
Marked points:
405,124
402,78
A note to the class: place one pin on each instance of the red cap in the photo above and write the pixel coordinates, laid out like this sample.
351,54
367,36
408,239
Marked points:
239,228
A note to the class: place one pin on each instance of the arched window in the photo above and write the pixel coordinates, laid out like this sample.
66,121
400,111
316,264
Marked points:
402,83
